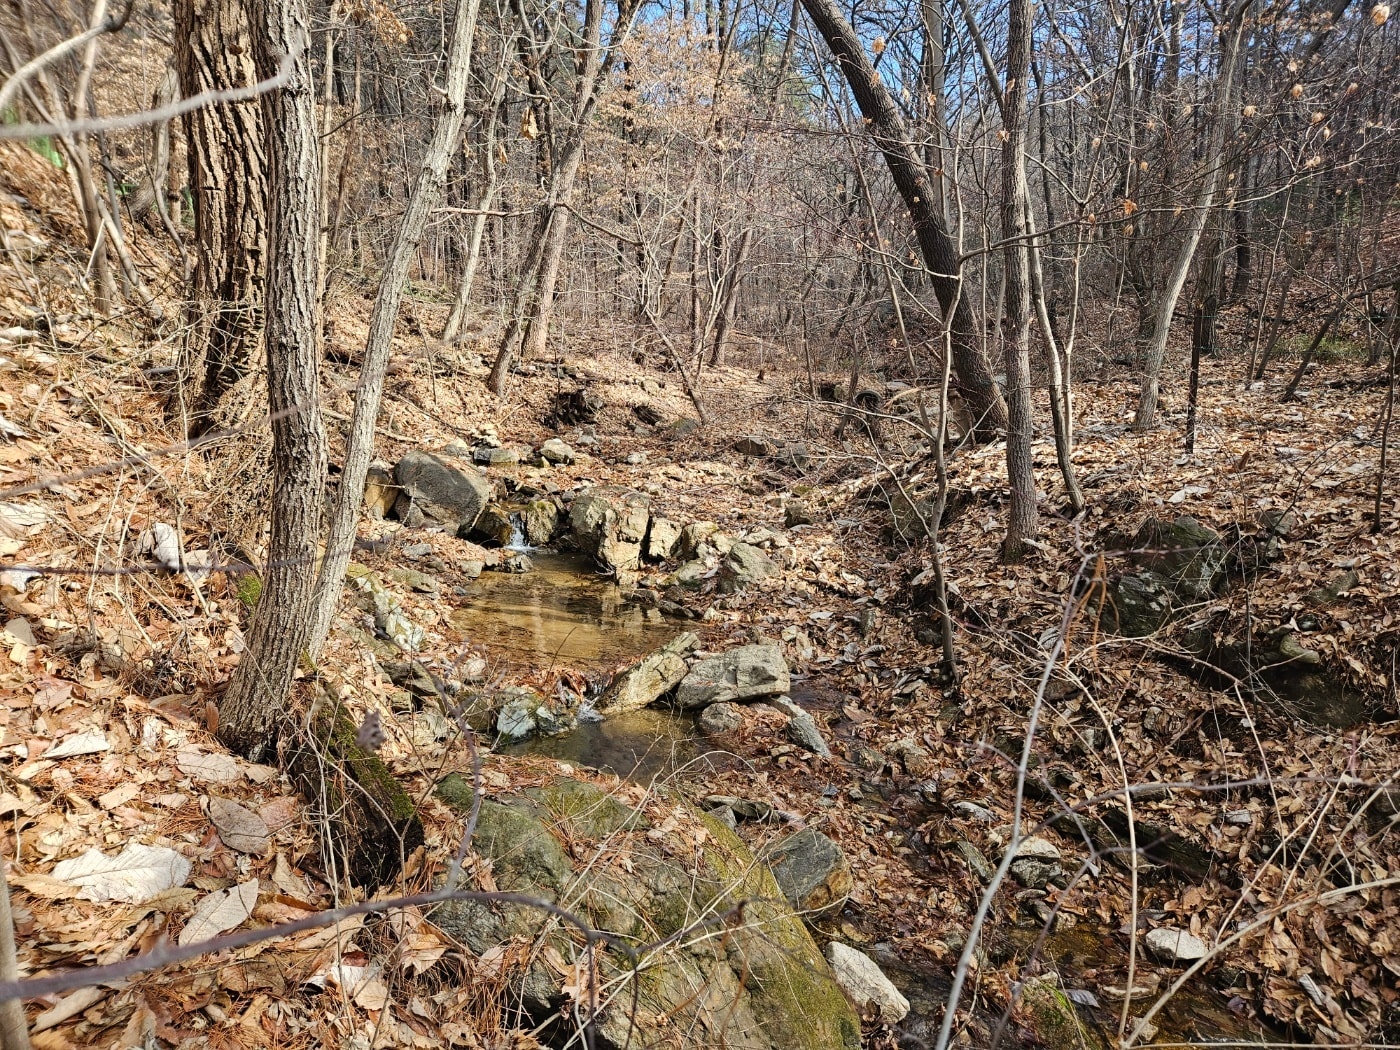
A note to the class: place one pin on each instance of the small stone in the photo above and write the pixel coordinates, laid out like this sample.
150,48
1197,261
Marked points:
864,983
743,808
744,565
976,861
719,719
1037,848
795,514
973,811
725,816
1175,945
917,761
811,870
753,445
802,728
662,539
495,457
1240,818
556,451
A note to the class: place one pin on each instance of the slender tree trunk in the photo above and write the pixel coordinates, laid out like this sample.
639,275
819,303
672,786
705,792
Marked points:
452,330
887,126
533,302
1023,519
1224,122
1244,254
14,1028
729,297
359,446
253,711
1208,283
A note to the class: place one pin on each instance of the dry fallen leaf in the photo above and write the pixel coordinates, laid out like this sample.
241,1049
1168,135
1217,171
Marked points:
240,828
217,769
135,875
220,911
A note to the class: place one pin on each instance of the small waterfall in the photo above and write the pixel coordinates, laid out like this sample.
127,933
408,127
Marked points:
517,534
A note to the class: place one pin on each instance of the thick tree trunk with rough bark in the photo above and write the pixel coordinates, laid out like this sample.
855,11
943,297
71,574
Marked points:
911,178
359,449
228,181
254,706
1023,519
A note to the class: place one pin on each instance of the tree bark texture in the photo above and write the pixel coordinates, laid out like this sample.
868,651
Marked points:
911,178
253,709
228,181
427,192
1023,519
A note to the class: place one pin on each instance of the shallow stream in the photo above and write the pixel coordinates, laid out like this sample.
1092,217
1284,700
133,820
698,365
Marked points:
563,615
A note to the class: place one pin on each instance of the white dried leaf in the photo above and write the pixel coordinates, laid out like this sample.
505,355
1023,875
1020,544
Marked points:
162,543
199,564
216,769
135,875
219,912
79,744
16,519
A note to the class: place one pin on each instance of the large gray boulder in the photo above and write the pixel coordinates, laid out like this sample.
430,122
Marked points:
433,491
649,679
749,672
610,524
763,985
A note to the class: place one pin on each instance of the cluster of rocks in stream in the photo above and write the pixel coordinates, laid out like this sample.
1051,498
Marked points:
454,490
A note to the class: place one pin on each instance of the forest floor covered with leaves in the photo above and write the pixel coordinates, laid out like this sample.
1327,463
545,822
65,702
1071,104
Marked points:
114,668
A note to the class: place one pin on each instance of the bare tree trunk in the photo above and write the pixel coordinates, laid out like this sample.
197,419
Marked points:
1023,519
887,126
359,445
533,302
1244,253
228,180
152,193
14,1028
452,330
1224,122
254,707
729,297
1208,283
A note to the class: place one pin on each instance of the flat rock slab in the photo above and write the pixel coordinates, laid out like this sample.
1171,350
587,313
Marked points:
749,672
649,679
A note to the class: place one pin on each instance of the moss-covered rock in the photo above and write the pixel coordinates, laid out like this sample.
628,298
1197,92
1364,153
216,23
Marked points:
698,929
1054,1020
